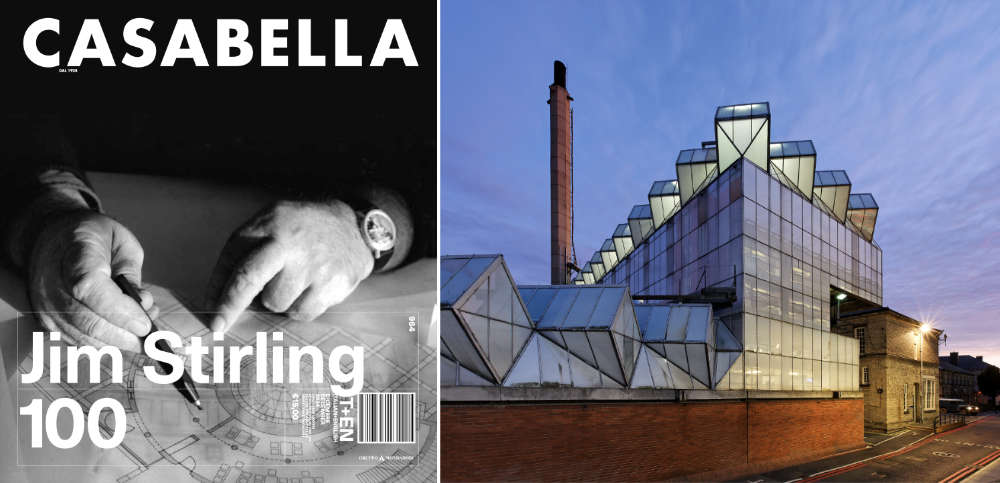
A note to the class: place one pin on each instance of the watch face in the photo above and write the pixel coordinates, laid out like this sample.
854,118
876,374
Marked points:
380,230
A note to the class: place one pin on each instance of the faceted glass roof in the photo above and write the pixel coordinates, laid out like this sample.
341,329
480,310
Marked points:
862,212
695,174
831,178
543,363
795,162
661,188
458,273
485,325
664,201
596,324
697,155
640,221
861,201
792,148
623,240
554,306
742,111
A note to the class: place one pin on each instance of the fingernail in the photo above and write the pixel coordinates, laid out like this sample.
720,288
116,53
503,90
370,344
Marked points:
218,323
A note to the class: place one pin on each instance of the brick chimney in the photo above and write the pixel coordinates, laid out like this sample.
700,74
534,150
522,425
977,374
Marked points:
979,358
561,175
953,358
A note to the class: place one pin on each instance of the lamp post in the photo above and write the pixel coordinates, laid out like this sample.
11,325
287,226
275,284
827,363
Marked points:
924,328
840,297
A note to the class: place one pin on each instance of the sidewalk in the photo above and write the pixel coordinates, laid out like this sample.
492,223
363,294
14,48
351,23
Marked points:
989,474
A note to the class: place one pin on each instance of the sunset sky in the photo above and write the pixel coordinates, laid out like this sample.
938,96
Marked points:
904,96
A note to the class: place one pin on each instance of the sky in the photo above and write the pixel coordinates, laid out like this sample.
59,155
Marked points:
904,96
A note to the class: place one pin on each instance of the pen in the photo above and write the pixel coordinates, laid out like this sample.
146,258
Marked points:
184,385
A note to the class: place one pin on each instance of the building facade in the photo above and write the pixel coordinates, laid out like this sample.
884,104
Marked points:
715,298
786,237
956,382
898,389
976,365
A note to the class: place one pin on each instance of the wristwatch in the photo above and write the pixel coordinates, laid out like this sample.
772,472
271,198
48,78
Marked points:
378,232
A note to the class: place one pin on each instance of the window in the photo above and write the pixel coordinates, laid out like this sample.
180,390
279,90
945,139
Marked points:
906,393
929,395
859,333
864,376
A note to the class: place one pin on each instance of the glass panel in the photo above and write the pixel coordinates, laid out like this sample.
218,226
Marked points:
797,341
786,374
558,309
520,316
750,332
764,375
752,371
797,374
449,372
776,381
583,307
501,343
722,362
607,307
776,337
468,378
697,356
465,277
657,328
460,344
604,351
677,355
540,302
584,375
576,342
697,325
479,301
660,370
500,295
554,363
763,335
787,336
628,352
480,328
677,325
445,351
521,334
451,266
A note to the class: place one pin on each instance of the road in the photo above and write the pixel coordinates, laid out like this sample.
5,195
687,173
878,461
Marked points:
947,457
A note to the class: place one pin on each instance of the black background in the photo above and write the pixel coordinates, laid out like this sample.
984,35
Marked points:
296,129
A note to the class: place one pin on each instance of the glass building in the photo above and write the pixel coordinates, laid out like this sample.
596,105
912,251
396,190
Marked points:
744,213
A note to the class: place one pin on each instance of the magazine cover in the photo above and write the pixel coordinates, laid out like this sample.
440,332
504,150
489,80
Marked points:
218,240
720,241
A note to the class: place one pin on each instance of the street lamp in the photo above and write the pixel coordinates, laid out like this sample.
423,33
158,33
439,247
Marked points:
840,298
924,328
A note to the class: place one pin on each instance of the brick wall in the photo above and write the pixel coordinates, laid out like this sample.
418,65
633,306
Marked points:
642,440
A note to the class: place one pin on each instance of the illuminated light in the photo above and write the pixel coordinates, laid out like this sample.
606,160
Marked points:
841,296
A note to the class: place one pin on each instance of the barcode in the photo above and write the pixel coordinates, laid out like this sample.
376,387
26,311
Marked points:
388,417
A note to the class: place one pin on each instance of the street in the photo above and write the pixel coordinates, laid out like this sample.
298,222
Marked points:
911,455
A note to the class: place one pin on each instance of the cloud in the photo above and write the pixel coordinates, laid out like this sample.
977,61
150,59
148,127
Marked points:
901,95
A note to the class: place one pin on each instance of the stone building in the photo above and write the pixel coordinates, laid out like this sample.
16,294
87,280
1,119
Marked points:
897,389
976,365
956,382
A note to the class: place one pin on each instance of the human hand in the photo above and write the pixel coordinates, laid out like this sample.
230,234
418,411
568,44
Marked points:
300,257
70,282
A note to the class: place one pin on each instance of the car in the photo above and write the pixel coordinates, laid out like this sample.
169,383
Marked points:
948,405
